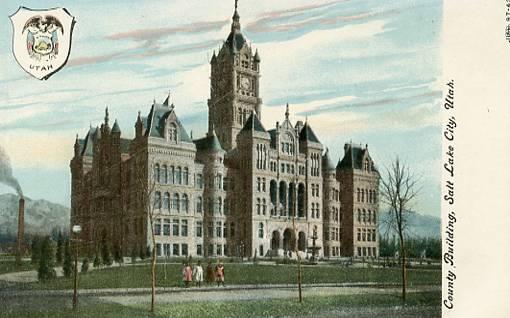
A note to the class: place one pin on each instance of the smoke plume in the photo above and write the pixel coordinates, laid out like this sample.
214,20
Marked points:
6,176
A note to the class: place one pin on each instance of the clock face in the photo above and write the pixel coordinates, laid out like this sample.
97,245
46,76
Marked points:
245,83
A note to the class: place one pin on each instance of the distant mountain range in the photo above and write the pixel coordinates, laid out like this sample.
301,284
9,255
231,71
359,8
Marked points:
41,216
419,225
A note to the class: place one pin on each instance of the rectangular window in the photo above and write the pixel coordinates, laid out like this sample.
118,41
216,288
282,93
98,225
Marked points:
184,249
199,249
198,228
175,251
225,250
218,229
359,251
200,181
261,250
184,228
210,230
158,249
157,227
167,249
218,249
175,227
166,227
210,250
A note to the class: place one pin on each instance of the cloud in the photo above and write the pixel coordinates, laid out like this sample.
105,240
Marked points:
336,106
95,59
151,34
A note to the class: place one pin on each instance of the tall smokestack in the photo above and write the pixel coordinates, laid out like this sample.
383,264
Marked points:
21,225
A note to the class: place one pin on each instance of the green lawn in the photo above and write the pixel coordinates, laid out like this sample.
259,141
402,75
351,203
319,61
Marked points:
256,308
139,276
9,265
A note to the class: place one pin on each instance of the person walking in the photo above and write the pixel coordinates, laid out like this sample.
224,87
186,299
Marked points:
209,278
198,273
220,274
188,275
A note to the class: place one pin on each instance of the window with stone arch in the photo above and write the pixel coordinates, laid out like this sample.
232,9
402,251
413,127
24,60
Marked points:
287,144
261,230
172,132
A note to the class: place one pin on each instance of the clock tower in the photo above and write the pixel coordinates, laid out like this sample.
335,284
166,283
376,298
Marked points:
235,73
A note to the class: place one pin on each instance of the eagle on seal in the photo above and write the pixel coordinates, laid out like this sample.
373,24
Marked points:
42,37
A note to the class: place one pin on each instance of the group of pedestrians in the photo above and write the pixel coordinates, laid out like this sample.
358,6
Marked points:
213,274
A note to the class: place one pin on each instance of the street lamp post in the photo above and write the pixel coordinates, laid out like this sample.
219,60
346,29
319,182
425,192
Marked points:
76,231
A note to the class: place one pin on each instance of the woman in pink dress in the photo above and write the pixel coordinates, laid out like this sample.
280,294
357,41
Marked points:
187,275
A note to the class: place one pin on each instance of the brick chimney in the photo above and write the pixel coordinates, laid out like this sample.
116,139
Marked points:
21,224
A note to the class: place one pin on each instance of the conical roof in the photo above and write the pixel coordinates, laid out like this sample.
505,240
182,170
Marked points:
116,128
327,163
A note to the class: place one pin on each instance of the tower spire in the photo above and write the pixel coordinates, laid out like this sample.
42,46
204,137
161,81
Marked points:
236,25
287,111
106,116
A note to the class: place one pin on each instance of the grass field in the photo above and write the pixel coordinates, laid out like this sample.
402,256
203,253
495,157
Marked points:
9,265
235,273
312,305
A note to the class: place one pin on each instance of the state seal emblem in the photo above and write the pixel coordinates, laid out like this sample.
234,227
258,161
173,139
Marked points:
41,40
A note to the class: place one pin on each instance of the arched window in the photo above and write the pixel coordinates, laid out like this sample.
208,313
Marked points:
261,230
359,215
220,205
317,211
264,206
175,202
179,175
166,201
258,206
369,216
185,203
157,200
172,132
364,216
186,176
165,174
358,195
172,174
199,205
367,165
157,173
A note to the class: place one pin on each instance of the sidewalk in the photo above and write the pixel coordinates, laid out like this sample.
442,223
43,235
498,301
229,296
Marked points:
181,290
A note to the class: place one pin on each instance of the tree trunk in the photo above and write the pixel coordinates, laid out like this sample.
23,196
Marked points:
153,272
403,264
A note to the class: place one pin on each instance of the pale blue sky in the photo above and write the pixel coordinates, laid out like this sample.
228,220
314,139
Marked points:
364,71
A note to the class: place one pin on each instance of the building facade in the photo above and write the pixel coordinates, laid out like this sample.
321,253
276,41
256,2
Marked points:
241,190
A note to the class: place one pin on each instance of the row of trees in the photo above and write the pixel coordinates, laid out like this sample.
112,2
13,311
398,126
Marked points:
429,248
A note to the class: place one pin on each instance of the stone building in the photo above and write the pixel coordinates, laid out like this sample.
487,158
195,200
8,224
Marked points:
241,190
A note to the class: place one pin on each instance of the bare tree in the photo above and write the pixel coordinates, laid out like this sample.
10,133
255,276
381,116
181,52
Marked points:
399,189
147,183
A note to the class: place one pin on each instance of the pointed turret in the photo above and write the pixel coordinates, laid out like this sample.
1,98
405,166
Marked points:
256,58
116,128
106,116
213,58
253,124
327,163
77,146
236,25
139,125
167,100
